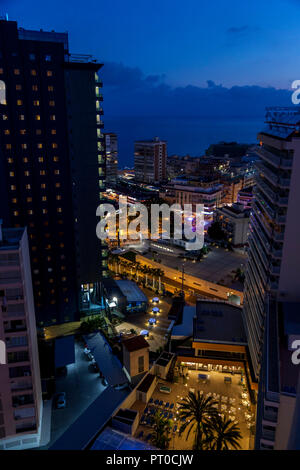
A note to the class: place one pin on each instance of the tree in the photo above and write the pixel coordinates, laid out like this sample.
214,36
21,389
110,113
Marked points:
197,412
161,431
224,434
215,231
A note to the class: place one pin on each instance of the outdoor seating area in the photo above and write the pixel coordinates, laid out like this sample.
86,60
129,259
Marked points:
232,401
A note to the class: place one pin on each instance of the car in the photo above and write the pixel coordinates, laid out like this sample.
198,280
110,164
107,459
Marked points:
60,400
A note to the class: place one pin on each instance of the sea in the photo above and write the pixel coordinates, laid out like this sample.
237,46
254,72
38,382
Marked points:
185,135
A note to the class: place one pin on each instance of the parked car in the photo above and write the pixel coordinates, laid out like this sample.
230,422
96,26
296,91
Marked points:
60,400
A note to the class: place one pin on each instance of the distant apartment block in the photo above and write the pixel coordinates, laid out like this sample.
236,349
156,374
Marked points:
274,229
234,221
150,160
20,384
111,158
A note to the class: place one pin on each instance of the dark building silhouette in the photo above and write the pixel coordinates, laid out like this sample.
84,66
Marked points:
52,166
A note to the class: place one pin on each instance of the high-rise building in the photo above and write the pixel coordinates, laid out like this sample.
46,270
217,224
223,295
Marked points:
20,385
52,165
274,230
111,158
150,160
277,420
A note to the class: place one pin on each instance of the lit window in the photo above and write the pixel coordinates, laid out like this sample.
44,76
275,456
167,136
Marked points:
17,71
44,198
44,211
54,145
28,186
29,199
50,88
53,131
49,73
51,103
19,102
30,211
35,88
26,173
22,131
10,160
52,117
59,209
13,187
18,87
11,173
25,160
57,185
24,146
1,71
21,117
39,146
43,186
14,200
36,103
42,172
4,117
6,131
16,213
33,72
8,146
41,159
37,117
55,159
56,172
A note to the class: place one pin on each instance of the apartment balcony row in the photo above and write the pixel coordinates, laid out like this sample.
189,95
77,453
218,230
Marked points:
276,161
274,198
275,178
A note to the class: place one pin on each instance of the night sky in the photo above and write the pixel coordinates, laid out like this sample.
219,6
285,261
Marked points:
168,58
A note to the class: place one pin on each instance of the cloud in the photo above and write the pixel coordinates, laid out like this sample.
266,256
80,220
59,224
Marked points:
237,30
128,92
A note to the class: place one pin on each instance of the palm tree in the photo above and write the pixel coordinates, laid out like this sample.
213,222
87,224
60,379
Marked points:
161,431
197,412
224,433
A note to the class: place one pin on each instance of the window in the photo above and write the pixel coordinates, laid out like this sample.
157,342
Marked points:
50,88
33,72
17,71
51,103
141,364
36,103
53,131
21,117
54,145
35,88
32,56
24,146
39,146
37,117
18,87
19,102
49,73
52,117
41,159
48,58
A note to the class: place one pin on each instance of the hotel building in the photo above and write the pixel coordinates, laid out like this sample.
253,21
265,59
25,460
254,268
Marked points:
52,166
274,230
150,160
20,384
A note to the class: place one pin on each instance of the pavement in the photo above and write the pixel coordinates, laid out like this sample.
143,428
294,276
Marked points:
216,266
82,387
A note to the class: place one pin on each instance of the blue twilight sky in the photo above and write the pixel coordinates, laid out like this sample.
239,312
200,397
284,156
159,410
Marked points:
193,72
231,42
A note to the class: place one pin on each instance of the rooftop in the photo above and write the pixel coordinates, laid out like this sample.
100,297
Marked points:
146,383
110,439
135,343
108,363
131,291
185,328
219,322
10,238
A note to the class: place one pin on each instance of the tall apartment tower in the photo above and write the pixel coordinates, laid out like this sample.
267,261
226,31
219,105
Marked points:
52,165
150,160
20,383
273,255
111,158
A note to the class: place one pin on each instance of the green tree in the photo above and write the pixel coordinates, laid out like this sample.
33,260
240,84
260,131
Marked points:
224,434
197,411
161,431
